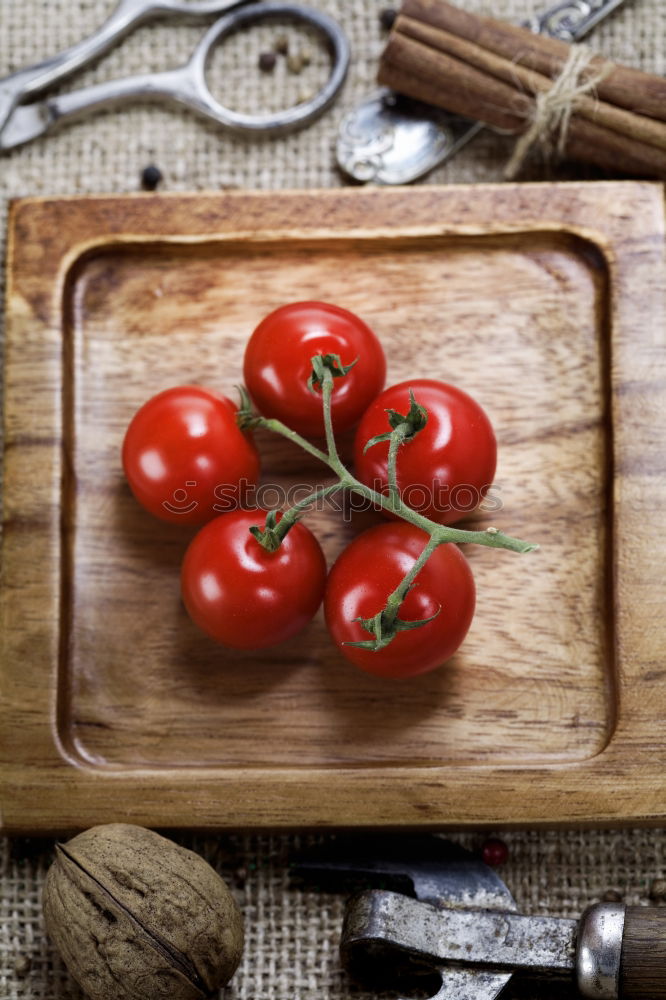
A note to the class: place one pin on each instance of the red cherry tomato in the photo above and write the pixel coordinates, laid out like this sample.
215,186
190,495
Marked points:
369,570
446,469
185,458
277,365
244,596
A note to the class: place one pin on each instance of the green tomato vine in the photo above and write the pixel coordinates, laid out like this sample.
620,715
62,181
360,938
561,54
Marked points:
386,624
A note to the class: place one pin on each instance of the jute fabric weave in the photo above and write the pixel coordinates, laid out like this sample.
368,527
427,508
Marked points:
292,936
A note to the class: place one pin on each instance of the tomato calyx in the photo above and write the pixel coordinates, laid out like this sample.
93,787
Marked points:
322,363
407,425
278,523
270,538
384,628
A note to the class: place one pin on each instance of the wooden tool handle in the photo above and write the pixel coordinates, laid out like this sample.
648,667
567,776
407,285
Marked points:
621,953
643,961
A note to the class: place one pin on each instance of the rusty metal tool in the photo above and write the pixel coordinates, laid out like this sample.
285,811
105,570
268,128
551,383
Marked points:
453,925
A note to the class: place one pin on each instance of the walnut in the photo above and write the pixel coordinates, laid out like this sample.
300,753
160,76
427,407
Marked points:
136,917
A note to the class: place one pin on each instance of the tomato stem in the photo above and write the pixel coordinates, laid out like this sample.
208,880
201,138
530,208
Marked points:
490,537
327,391
400,593
295,513
271,424
386,623
398,435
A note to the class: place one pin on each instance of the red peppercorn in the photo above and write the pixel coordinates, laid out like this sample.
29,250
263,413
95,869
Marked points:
494,852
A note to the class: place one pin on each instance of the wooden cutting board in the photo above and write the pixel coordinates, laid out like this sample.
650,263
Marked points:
546,302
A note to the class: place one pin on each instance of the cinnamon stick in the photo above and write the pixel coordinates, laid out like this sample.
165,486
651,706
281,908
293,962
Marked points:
591,144
609,150
501,106
625,122
624,86
475,67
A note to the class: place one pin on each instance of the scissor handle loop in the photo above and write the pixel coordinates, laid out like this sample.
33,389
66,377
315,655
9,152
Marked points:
273,123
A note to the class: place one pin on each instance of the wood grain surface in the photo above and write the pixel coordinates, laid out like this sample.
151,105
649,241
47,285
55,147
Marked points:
543,301
643,960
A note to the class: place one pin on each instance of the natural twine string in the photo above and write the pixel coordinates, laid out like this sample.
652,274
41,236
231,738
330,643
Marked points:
553,109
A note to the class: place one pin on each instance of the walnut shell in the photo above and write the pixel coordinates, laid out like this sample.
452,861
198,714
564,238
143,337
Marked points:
136,917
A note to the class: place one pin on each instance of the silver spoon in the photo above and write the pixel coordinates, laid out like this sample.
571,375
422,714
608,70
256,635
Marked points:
392,139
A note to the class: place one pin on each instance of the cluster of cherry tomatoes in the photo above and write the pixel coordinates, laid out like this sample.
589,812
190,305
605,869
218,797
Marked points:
187,460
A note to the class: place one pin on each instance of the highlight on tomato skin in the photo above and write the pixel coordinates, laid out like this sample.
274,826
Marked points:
244,596
369,570
277,366
185,458
446,469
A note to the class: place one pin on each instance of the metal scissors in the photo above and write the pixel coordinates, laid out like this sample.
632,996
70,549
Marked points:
186,85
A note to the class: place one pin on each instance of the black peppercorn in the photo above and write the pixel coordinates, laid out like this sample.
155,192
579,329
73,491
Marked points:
267,62
387,18
150,177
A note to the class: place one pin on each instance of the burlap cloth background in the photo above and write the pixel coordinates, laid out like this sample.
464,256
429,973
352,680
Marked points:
292,937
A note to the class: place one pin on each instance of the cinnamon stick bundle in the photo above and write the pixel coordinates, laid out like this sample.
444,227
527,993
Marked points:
495,72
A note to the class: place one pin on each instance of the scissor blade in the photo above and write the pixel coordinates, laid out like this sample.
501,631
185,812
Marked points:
391,928
26,122
8,98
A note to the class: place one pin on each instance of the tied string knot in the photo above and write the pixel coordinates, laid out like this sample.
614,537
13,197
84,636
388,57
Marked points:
553,108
